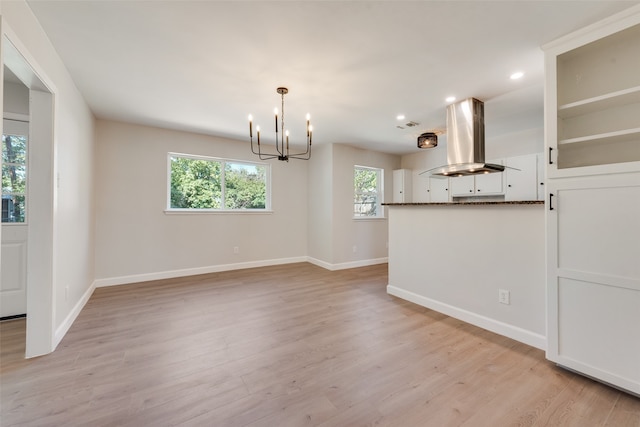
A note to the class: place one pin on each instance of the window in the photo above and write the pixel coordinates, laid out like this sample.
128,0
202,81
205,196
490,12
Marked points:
367,192
14,177
211,184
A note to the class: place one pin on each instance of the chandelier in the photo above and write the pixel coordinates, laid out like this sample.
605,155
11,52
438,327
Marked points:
282,137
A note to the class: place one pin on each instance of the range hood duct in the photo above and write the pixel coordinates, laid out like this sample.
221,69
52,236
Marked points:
465,141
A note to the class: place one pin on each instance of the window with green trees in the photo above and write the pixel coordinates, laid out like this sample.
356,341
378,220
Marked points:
14,177
206,183
367,193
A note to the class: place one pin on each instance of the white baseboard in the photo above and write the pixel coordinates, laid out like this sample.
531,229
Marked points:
62,330
531,338
347,265
170,274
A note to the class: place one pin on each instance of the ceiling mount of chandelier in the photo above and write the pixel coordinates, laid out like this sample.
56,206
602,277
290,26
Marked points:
282,137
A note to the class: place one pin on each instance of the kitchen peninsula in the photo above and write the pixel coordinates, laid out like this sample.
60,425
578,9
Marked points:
458,257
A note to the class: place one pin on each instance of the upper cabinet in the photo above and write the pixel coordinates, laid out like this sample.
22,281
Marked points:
438,190
402,188
592,97
478,185
521,176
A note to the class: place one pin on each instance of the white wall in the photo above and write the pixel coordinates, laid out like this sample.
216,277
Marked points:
333,232
73,218
15,98
369,237
320,185
454,259
136,240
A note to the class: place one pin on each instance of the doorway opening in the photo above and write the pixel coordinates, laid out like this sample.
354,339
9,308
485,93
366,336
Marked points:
37,254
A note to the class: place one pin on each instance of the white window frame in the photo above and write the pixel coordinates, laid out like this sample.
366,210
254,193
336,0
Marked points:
379,193
223,161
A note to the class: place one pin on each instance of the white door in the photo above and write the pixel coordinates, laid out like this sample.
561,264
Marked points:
13,281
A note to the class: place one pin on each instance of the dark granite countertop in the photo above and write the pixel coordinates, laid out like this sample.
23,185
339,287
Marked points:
515,202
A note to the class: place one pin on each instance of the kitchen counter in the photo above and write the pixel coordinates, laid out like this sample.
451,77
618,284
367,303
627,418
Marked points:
515,202
455,259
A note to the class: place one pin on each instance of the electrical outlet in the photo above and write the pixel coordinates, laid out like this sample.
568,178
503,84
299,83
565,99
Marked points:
236,250
504,296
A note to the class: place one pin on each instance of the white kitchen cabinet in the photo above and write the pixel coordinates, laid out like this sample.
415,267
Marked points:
463,186
420,188
438,190
592,99
430,189
478,185
491,183
540,176
402,189
521,177
593,277
592,160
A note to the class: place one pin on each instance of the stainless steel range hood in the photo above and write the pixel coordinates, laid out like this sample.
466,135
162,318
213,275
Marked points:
465,141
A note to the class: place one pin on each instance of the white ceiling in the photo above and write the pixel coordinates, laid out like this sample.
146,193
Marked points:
203,66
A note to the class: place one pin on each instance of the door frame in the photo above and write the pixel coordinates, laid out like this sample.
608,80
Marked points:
40,330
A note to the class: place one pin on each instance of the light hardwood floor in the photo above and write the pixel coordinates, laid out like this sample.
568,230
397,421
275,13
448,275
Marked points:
292,345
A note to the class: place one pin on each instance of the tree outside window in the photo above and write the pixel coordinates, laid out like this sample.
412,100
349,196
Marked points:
14,178
367,194
201,183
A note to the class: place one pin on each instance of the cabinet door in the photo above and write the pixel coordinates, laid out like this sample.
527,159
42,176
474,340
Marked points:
490,184
439,190
593,277
402,190
540,178
421,190
462,186
521,179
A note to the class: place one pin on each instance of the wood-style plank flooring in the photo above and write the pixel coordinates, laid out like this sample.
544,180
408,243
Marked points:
292,345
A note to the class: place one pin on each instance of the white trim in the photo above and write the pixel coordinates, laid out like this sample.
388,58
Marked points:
217,211
369,218
64,327
170,274
347,265
510,331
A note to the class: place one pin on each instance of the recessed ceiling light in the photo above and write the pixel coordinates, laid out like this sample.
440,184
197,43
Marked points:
400,117
450,98
516,76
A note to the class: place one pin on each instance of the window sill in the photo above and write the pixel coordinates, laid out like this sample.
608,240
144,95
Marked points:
215,212
369,218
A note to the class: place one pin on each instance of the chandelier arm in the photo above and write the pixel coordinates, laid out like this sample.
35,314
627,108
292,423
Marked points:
307,152
261,155
302,156
297,157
